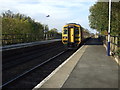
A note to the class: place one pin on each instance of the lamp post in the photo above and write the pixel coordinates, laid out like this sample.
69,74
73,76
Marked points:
108,47
46,32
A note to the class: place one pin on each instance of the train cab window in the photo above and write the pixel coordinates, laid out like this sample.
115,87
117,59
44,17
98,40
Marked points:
65,31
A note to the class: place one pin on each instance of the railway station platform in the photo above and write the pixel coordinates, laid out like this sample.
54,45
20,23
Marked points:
23,45
88,67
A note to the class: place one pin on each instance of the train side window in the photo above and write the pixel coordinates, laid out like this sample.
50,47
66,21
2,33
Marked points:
65,31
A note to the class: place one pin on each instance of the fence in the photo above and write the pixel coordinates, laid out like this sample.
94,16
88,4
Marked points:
8,39
114,45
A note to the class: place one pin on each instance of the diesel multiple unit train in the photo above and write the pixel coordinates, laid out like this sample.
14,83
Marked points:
73,34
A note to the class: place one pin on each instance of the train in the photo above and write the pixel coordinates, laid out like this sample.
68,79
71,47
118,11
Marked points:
73,35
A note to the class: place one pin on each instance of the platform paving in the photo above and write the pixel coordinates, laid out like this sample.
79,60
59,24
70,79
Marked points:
93,69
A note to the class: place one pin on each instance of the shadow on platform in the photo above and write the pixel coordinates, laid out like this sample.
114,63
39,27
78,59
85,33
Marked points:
94,41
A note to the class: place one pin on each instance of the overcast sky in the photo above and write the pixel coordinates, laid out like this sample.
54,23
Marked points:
60,11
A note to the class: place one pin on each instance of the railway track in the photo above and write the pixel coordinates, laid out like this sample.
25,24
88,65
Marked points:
19,59
27,62
33,65
33,76
13,55
39,65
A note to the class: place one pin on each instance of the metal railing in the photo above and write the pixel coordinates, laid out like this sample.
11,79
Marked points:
114,44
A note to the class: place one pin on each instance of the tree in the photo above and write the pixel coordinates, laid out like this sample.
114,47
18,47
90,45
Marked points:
53,33
99,17
21,24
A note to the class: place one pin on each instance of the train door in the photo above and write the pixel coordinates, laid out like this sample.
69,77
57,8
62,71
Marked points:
71,35
77,35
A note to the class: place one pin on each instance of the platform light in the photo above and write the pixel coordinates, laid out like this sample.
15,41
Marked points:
108,46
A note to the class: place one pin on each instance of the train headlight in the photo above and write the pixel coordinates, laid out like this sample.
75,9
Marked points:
64,37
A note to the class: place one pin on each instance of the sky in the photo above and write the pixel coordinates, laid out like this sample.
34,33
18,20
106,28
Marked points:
61,11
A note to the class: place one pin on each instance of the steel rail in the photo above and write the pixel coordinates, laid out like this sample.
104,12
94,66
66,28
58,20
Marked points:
26,72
